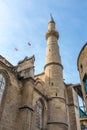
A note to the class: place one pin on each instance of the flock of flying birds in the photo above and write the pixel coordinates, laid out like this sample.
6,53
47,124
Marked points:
29,44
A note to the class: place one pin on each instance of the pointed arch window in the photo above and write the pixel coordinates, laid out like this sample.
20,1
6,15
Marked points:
2,86
39,115
85,82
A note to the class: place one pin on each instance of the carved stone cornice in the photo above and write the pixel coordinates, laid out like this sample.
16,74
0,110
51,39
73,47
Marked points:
53,63
57,122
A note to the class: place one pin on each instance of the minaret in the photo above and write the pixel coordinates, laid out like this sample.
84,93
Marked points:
57,119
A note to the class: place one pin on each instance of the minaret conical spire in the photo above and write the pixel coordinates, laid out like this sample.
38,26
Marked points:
51,18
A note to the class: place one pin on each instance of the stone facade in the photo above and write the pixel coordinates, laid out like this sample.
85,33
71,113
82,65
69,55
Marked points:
82,68
38,102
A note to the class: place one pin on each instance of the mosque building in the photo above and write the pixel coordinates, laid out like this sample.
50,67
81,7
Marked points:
43,101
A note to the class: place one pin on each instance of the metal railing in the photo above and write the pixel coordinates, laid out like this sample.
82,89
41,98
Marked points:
82,112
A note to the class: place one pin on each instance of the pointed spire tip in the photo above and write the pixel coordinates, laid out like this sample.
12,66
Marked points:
51,18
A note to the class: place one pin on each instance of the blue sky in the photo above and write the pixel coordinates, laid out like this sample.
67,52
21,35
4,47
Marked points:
26,21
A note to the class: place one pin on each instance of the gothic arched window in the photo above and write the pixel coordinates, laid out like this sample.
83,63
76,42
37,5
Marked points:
39,115
2,86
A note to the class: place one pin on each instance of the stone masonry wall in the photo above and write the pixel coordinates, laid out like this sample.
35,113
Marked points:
10,102
74,122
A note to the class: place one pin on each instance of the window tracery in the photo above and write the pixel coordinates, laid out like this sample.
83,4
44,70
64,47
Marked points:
39,115
2,85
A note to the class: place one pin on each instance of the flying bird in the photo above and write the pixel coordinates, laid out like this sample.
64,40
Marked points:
29,44
16,49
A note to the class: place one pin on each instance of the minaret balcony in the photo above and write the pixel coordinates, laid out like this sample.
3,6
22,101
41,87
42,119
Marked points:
52,33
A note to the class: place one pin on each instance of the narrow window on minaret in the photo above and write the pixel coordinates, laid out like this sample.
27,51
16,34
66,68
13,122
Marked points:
56,94
52,83
81,68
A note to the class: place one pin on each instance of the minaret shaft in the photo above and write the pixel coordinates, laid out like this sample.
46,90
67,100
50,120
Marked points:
53,67
52,50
